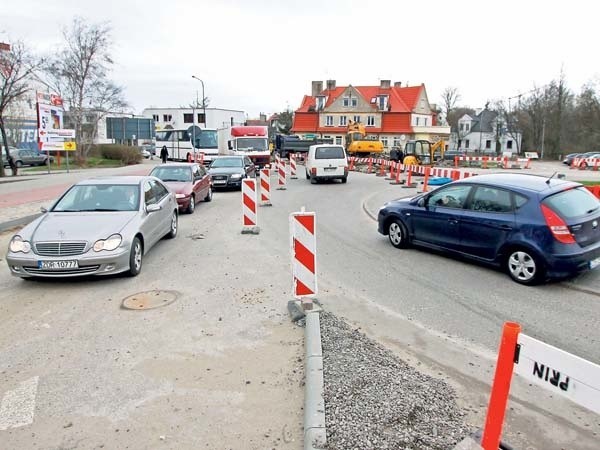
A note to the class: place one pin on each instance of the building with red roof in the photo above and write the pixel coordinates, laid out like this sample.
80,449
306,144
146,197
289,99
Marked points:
393,114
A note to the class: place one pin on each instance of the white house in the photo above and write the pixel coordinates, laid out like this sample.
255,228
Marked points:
484,132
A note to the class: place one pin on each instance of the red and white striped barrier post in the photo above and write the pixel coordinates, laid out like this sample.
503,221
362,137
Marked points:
249,202
381,172
293,175
304,254
370,168
277,162
282,175
352,160
391,176
426,178
399,169
265,187
409,183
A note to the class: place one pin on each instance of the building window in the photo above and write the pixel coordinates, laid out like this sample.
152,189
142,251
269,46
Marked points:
188,118
466,143
357,119
416,121
346,101
320,103
354,101
201,118
459,143
338,140
155,117
488,144
462,127
509,145
231,119
167,117
425,119
397,142
384,141
370,121
467,126
383,101
328,121
343,121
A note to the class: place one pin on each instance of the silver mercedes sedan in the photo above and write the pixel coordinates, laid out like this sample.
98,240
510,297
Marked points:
100,226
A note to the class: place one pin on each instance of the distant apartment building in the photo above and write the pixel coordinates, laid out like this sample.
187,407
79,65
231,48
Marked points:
393,114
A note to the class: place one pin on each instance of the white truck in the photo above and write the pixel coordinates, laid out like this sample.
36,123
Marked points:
251,141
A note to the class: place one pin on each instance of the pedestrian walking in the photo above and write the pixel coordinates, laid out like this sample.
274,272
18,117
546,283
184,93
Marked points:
164,154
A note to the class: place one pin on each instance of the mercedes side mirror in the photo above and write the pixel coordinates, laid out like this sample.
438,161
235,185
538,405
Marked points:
44,210
153,208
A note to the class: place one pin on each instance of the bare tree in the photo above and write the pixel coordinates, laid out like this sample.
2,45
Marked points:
17,65
80,74
450,97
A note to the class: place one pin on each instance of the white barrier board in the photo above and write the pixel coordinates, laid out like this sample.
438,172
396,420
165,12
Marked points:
560,372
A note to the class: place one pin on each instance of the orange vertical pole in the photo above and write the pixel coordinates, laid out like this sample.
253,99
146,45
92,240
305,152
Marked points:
456,161
501,387
370,165
485,160
426,179
57,158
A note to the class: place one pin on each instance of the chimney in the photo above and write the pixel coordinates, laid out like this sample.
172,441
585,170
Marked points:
263,117
330,85
317,88
397,83
385,84
4,46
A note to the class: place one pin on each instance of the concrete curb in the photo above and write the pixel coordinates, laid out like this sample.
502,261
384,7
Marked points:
18,222
314,403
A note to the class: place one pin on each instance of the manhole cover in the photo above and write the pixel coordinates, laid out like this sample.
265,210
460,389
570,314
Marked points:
149,300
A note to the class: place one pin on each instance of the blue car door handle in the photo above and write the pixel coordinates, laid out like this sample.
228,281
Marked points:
453,221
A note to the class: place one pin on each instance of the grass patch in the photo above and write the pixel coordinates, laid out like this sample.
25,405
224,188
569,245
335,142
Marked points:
590,183
91,163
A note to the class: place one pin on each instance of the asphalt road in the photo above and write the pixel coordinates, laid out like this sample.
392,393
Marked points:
103,369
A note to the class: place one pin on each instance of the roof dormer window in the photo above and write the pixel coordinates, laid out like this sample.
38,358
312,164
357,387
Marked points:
382,102
320,102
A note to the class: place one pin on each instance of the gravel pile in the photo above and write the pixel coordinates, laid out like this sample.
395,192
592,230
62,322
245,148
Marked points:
373,400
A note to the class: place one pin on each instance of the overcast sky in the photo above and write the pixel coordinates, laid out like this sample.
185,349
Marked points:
261,55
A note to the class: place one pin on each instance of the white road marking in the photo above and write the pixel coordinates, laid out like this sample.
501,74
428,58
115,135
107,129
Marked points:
18,406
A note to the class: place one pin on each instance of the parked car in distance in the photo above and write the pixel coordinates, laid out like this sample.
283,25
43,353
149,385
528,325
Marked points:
588,159
533,227
190,182
25,157
570,157
229,171
326,162
450,154
99,226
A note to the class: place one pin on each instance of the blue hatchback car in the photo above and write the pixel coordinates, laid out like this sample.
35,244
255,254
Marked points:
533,227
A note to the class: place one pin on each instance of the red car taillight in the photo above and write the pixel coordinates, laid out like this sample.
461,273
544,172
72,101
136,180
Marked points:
557,226
313,171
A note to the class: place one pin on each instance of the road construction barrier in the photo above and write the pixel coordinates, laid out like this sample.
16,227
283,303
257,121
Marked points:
249,197
282,175
392,165
277,162
304,253
585,163
265,187
370,168
594,190
500,161
293,175
544,365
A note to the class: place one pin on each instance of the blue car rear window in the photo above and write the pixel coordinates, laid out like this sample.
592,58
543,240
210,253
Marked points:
573,203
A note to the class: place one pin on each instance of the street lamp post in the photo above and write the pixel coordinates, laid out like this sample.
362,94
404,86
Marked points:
203,104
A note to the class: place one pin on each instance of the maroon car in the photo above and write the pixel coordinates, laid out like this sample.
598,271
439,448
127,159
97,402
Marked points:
190,182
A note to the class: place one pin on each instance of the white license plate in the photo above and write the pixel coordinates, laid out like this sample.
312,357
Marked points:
330,168
594,263
219,181
57,265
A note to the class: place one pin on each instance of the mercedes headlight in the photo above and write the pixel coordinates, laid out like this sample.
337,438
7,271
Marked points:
17,244
108,244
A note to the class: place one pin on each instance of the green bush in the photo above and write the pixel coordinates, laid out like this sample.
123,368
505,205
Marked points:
126,154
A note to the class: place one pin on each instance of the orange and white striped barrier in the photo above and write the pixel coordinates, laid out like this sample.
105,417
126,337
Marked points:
277,162
282,175
399,170
249,202
391,175
293,175
304,253
426,179
409,183
370,168
381,172
584,163
352,160
265,187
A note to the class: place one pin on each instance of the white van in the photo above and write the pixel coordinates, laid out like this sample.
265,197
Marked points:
326,162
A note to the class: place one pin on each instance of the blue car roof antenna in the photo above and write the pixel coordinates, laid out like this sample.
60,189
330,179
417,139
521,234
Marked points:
548,180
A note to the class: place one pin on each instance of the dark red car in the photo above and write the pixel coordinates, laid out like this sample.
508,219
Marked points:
190,182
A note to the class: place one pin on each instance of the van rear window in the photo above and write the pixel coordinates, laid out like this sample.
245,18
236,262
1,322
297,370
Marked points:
329,153
573,203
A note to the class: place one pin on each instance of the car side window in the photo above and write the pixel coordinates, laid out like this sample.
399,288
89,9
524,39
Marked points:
149,197
247,161
160,192
450,197
491,199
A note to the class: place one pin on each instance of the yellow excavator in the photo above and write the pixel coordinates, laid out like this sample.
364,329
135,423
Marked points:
423,153
356,142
